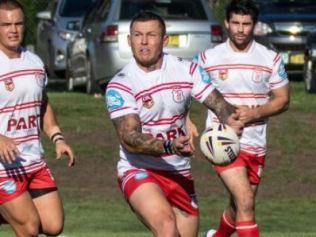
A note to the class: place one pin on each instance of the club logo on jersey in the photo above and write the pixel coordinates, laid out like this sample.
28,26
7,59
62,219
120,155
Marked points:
8,186
281,70
9,84
141,175
257,76
177,95
205,77
114,100
223,74
40,79
148,101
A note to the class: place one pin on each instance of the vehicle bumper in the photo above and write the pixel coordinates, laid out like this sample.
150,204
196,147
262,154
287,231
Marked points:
292,49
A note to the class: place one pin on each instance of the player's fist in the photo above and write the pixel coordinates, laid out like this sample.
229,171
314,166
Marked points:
181,146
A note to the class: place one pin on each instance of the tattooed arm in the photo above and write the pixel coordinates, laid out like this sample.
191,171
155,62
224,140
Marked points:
223,110
216,102
133,140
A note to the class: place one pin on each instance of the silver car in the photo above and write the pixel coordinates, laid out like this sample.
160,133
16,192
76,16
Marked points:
285,24
190,25
57,26
309,73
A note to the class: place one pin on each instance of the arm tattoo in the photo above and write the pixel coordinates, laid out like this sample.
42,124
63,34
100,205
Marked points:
133,140
216,102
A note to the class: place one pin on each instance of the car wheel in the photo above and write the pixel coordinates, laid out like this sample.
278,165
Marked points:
91,86
310,77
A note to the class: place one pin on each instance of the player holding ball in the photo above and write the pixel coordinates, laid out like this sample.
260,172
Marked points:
252,78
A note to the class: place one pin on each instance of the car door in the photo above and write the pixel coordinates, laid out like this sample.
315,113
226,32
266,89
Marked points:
79,54
43,32
99,57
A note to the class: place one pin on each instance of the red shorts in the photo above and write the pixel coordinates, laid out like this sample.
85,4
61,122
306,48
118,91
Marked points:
178,189
12,187
253,163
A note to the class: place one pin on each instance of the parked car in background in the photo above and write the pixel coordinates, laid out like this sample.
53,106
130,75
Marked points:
57,26
309,74
190,25
78,69
285,24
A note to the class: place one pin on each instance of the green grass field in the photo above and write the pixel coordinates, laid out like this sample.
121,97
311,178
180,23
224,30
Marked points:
94,207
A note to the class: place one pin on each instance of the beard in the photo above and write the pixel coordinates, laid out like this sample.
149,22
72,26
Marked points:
241,44
148,63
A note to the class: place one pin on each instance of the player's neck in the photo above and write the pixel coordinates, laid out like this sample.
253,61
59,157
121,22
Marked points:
11,52
152,67
240,48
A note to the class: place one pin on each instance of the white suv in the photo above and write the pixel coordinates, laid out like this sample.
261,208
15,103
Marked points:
190,26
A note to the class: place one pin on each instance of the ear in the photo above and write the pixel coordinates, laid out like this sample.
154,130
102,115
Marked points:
226,24
129,40
165,40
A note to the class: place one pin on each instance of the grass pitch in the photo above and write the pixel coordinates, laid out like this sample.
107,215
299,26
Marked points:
94,206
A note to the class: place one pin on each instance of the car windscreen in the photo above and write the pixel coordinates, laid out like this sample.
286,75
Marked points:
74,8
168,9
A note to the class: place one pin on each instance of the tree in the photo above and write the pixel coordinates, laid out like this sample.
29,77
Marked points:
30,10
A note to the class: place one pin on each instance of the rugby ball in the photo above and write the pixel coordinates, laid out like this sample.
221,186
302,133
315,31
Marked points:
220,144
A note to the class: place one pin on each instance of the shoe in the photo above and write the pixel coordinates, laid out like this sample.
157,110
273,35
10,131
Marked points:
210,233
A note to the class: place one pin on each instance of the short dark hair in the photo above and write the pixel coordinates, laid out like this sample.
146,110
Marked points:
144,16
243,7
11,4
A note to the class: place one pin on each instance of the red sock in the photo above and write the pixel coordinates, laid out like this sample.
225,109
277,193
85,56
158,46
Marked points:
247,229
226,226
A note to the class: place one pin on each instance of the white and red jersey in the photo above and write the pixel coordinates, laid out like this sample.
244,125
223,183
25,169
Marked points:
161,99
245,78
21,86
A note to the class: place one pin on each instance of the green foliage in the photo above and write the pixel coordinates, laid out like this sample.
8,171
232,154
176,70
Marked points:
30,10
219,10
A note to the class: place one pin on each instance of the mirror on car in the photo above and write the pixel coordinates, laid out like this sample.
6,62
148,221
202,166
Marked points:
44,15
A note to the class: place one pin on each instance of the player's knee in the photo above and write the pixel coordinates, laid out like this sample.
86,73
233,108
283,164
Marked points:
31,228
53,229
165,226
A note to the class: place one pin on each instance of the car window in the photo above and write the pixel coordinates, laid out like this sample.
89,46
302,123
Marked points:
74,8
92,13
105,10
168,9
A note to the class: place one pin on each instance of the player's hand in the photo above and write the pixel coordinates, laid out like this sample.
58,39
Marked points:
181,146
192,132
62,148
8,149
236,124
246,114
